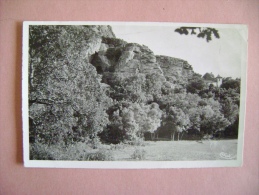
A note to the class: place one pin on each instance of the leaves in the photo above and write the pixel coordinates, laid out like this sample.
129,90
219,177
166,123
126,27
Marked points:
63,76
204,32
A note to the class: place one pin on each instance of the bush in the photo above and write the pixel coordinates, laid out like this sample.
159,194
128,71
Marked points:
119,146
40,151
95,143
136,142
79,151
139,154
101,155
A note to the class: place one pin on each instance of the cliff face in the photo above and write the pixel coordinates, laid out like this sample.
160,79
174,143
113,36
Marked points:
95,37
175,70
105,31
117,56
137,58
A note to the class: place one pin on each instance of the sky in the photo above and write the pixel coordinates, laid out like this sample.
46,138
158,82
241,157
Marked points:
219,56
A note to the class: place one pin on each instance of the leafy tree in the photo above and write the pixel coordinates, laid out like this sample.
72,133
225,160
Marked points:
153,86
208,76
134,88
178,119
200,32
232,130
67,100
195,118
130,88
230,110
212,120
129,124
196,84
231,84
131,120
150,119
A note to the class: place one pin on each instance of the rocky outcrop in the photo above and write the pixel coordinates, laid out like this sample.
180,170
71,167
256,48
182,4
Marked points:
138,58
175,70
112,55
101,62
127,58
93,45
102,30
95,37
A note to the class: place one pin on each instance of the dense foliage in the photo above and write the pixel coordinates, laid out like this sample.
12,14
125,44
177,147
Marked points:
73,103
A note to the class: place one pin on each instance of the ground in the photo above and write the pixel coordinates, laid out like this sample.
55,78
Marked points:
178,150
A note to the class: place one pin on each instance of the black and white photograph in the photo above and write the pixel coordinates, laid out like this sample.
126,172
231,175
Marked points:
133,95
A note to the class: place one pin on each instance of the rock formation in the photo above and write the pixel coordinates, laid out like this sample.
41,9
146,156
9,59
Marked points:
175,70
117,56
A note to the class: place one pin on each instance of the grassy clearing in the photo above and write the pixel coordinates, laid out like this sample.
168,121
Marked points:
179,151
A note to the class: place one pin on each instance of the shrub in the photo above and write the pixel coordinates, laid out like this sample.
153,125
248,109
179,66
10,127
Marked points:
40,151
139,154
136,142
101,155
95,143
79,151
119,146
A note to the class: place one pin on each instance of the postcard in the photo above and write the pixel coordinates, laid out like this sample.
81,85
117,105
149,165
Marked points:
133,95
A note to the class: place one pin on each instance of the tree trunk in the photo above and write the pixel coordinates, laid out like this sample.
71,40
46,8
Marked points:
173,135
178,136
182,135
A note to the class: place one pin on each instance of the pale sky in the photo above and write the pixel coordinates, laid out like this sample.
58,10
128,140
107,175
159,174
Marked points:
219,56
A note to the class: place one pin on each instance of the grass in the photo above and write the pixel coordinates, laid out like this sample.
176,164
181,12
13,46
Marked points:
180,151
148,151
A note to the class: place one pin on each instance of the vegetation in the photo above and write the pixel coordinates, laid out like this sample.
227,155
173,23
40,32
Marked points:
76,111
205,32
138,154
